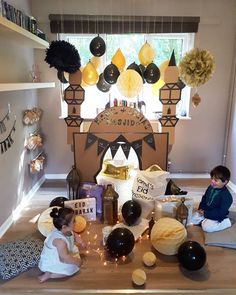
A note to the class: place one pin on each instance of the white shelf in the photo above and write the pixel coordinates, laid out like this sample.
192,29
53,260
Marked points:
11,30
24,86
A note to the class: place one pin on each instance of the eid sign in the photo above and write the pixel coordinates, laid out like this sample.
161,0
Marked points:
85,207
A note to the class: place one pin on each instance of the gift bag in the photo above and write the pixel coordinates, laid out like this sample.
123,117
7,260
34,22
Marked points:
92,190
165,206
148,185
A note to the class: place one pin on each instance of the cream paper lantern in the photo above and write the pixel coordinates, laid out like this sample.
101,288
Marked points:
118,60
167,235
146,54
129,83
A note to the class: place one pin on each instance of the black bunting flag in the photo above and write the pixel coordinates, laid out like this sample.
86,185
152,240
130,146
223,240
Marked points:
114,146
149,139
137,146
126,149
102,144
91,138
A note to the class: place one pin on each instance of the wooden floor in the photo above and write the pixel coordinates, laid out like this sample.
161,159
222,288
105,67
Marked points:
100,275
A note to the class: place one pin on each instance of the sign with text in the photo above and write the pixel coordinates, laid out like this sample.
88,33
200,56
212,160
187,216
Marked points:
85,207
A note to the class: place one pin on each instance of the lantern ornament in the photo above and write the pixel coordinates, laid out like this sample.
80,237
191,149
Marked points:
182,212
73,181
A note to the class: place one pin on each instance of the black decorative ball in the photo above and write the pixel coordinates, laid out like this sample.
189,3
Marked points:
131,211
58,201
191,255
120,242
97,46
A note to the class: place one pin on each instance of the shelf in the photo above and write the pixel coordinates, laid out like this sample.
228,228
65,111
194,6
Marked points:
11,30
24,86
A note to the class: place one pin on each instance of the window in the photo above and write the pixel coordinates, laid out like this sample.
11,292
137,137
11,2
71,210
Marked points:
130,44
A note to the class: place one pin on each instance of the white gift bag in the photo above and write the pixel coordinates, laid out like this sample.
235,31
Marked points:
147,185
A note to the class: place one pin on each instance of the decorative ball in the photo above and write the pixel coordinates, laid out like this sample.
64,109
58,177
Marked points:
167,235
120,242
129,83
131,211
149,258
79,224
58,201
191,255
139,277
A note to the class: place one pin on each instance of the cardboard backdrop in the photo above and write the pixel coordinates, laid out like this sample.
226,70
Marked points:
118,127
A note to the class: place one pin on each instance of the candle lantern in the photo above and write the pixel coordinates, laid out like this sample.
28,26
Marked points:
109,205
73,181
182,212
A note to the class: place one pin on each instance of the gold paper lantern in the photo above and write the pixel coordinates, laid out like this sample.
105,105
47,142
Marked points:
89,74
139,277
129,83
146,54
167,235
118,60
79,224
156,87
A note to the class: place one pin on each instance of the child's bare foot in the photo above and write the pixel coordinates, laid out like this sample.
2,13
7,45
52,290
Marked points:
44,277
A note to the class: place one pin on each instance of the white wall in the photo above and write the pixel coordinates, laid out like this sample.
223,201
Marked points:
199,142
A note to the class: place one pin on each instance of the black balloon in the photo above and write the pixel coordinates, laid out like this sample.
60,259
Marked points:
111,73
152,73
131,211
135,67
191,255
102,85
120,242
97,46
58,201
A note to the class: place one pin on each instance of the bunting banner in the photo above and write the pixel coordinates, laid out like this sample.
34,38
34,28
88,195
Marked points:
149,139
91,138
2,123
102,144
122,142
8,141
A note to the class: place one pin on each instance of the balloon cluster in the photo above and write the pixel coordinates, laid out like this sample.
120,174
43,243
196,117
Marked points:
130,81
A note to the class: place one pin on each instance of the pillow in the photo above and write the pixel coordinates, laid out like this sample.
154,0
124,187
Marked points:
19,256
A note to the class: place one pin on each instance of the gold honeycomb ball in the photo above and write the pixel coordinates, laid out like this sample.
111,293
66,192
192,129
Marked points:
139,277
149,258
79,224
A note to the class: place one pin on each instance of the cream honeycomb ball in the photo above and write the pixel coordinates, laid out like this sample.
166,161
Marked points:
139,277
167,235
149,258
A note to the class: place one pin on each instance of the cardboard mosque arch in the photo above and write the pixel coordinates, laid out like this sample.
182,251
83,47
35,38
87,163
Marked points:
116,127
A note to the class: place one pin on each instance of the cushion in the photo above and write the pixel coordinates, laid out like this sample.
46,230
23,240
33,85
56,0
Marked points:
19,256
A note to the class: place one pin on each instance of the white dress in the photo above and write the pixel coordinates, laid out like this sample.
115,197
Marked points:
49,259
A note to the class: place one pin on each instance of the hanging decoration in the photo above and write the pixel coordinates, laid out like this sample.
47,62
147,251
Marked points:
196,67
138,68
118,59
196,100
8,141
111,73
152,73
36,165
32,116
97,46
146,54
2,122
89,74
34,141
63,56
129,83
102,85
96,61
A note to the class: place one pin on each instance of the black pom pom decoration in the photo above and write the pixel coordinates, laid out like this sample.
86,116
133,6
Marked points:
63,56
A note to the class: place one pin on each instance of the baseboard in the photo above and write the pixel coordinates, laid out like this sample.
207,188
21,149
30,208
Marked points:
10,220
55,176
189,175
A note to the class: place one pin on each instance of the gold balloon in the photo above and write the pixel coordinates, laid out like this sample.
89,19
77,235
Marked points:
146,54
163,66
118,60
96,61
129,83
90,75
196,99
156,86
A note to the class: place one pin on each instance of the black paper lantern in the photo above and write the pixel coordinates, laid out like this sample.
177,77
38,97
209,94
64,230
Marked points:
58,201
102,85
120,242
111,73
97,46
152,73
191,255
131,211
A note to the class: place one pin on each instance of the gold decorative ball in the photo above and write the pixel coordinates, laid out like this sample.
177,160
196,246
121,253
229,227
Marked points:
139,277
79,224
149,258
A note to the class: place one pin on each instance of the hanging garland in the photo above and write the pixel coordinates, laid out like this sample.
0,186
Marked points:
196,67
8,141
2,123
